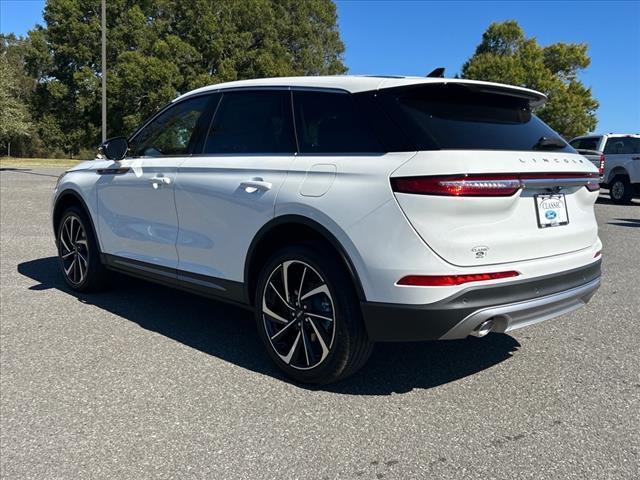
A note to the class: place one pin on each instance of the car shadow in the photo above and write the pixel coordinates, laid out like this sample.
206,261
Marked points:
228,332
626,222
605,199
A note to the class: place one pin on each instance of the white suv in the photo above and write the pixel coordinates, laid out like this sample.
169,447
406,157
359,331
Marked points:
618,156
344,211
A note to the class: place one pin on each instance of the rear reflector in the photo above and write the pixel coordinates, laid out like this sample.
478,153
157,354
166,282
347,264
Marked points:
494,185
598,253
593,185
452,280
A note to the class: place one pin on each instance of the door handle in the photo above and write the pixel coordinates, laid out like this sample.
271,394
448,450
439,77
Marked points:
159,180
255,184
635,158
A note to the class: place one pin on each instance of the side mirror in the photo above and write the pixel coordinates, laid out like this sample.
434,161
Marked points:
114,148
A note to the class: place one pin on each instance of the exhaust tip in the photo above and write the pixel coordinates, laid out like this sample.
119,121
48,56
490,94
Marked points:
483,329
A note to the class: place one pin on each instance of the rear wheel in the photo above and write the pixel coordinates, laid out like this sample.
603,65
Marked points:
78,252
308,315
621,190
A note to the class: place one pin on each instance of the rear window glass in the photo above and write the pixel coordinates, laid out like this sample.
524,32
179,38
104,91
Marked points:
622,145
252,122
458,117
328,122
590,143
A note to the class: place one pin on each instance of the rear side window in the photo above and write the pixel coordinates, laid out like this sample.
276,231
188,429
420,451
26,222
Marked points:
460,117
172,131
328,122
252,122
589,143
622,145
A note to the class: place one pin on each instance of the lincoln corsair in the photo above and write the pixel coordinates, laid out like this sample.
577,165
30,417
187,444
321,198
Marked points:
343,211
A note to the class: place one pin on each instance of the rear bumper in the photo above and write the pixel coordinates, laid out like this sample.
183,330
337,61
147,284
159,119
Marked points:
510,305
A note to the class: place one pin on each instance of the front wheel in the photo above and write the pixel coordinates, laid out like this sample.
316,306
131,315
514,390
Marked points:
78,253
621,190
308,315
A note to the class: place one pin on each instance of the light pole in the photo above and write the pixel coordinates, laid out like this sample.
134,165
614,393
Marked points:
104,70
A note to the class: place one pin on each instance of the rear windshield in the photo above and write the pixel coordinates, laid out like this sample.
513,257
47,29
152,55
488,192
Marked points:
588,143
459,117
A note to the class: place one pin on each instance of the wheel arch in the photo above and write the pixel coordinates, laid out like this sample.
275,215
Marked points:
66,199
269,238
617,171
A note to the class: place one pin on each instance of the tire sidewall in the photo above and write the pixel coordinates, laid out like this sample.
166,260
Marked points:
92,252
625,186
330,271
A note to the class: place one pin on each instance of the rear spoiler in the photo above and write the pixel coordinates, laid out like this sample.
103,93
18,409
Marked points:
533,97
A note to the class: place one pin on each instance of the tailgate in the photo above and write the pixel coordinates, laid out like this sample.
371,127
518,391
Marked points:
484,230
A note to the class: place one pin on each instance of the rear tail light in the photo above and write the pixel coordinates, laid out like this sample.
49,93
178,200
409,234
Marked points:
494,185
601,168
452,280
461,185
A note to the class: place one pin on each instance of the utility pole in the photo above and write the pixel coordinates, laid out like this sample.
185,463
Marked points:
104,70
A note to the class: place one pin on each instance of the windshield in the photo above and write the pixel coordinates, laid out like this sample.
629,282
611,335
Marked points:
459,117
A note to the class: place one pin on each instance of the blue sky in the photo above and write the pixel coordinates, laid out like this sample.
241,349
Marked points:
413,37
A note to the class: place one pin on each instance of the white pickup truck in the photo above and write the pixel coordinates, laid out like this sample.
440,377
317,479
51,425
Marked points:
618,158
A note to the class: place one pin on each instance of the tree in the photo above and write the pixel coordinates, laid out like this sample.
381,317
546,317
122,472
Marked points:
157,49
14,116
504,55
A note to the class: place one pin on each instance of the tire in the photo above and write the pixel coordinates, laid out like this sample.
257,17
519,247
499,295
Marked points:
78,254
318,339
620,189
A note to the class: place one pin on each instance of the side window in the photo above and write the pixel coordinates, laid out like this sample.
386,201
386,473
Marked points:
622,145
171,132
252,122
328,122
576,143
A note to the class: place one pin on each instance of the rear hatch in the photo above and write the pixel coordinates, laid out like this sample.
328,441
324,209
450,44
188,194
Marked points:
491,183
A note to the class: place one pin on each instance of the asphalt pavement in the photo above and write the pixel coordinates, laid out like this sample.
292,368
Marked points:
146,382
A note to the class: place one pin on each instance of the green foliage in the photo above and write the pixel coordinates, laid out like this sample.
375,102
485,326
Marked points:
504,55
14,117
157,49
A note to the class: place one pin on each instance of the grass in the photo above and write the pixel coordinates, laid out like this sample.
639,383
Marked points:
37,162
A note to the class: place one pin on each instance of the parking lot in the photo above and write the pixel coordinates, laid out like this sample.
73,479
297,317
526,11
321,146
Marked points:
142,381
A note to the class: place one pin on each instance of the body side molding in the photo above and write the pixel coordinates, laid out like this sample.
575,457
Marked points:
210,287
